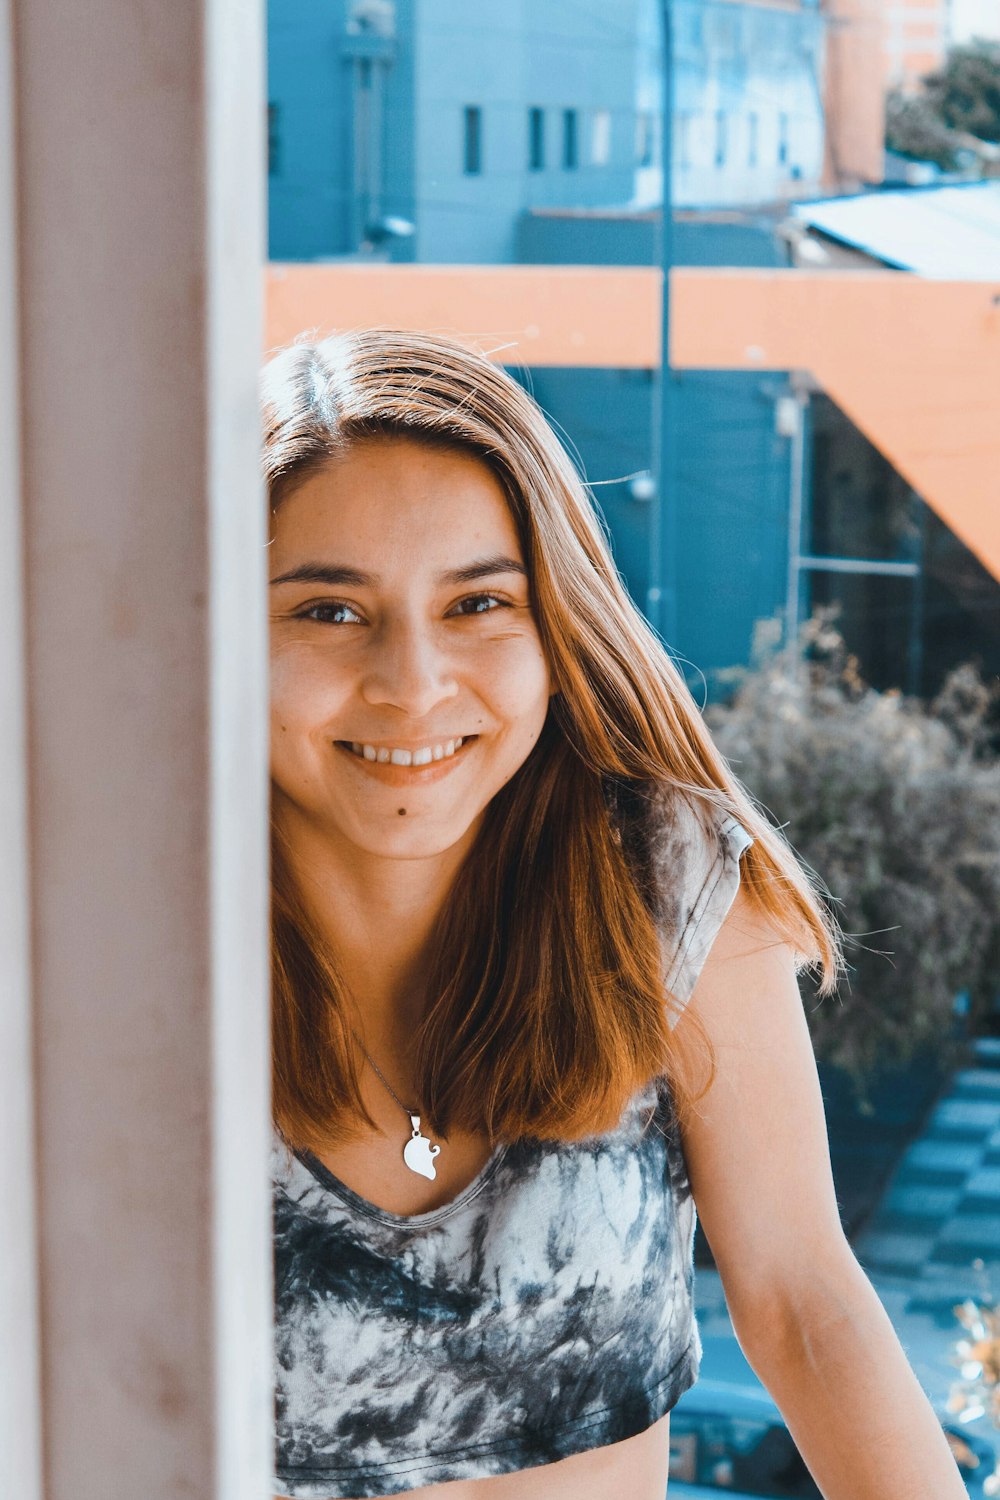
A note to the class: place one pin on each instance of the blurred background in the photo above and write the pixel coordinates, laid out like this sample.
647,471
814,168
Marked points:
803,496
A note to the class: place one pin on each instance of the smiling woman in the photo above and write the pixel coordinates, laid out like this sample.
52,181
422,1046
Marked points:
382,652
507,862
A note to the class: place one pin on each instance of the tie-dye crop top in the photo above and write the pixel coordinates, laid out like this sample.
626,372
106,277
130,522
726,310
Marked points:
545,1310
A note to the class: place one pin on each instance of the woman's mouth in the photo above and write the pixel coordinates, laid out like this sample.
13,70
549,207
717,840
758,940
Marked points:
400,765
423,755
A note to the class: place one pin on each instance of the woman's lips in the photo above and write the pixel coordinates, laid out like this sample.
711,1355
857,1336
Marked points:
403,776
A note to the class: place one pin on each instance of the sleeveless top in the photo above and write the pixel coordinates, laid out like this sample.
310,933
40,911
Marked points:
545,1310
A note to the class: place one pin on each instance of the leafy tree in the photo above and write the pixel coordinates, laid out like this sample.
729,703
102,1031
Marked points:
966,91
914,129
895,803
954,110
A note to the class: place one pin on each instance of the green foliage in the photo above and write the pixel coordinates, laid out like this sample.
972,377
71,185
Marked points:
966,91
896,805
955,109
913,128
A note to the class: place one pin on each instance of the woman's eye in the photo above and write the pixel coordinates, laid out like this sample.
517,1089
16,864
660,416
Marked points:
482,604
327,614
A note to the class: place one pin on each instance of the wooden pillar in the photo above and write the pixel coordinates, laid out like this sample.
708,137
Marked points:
137,173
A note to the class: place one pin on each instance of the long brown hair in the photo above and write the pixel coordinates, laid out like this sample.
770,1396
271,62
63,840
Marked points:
548,1010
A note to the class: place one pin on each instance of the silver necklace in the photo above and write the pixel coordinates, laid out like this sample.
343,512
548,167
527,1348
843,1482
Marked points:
419,1152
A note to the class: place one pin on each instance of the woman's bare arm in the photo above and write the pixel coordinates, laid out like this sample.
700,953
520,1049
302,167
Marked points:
806,1316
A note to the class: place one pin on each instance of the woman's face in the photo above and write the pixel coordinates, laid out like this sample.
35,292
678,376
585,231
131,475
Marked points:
401,625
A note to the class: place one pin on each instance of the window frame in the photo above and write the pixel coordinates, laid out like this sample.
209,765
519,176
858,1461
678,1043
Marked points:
570,139
472,140
720,149
536,138
273,138
600,137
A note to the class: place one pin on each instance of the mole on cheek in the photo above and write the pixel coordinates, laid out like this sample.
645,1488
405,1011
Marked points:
402,812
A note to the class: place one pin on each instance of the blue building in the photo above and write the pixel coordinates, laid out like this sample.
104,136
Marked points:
748,103
457,119
450,118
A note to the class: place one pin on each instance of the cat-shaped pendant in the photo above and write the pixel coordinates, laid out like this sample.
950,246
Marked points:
419,1153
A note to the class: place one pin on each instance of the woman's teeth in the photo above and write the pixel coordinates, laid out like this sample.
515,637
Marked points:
421,757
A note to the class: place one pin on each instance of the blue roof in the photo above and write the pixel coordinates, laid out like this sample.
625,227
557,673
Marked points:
951,233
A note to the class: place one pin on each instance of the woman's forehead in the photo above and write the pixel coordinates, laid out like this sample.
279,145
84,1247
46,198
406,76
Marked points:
393,499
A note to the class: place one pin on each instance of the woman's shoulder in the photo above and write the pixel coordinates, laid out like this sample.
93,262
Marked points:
692,851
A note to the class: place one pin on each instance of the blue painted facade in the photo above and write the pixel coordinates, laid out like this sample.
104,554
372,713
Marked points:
370,100
350,83
731,497
509,58
748,111
309,135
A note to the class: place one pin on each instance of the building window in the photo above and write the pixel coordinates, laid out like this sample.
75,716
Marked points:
600,138
570,153
723,26
690,29
720,137
473,141
645,138
536,140
273,140
752,141
682,140
862,510
782,138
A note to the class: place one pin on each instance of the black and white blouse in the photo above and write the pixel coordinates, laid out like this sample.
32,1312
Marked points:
544,1311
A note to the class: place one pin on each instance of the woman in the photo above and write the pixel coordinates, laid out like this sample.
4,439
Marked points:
526,1012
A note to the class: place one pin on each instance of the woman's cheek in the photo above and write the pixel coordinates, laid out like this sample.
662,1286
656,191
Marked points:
295,700
301,682
513,661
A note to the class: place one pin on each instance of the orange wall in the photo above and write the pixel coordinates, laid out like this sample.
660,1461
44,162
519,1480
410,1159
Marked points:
914,363
854,94
532,315
915,41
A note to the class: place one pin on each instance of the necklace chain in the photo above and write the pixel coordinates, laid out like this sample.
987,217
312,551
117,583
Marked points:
381,1075
419,1152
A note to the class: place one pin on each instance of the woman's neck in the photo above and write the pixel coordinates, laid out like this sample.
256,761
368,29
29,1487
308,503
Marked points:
377,916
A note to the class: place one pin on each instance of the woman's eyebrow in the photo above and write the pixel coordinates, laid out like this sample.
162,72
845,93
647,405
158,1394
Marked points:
337,575
485,567
327,573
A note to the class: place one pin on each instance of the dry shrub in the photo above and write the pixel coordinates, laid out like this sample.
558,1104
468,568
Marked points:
896,804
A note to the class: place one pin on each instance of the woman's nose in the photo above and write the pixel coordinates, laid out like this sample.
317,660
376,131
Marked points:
409,671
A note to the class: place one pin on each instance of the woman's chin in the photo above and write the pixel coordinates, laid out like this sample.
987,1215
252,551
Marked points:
408,833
